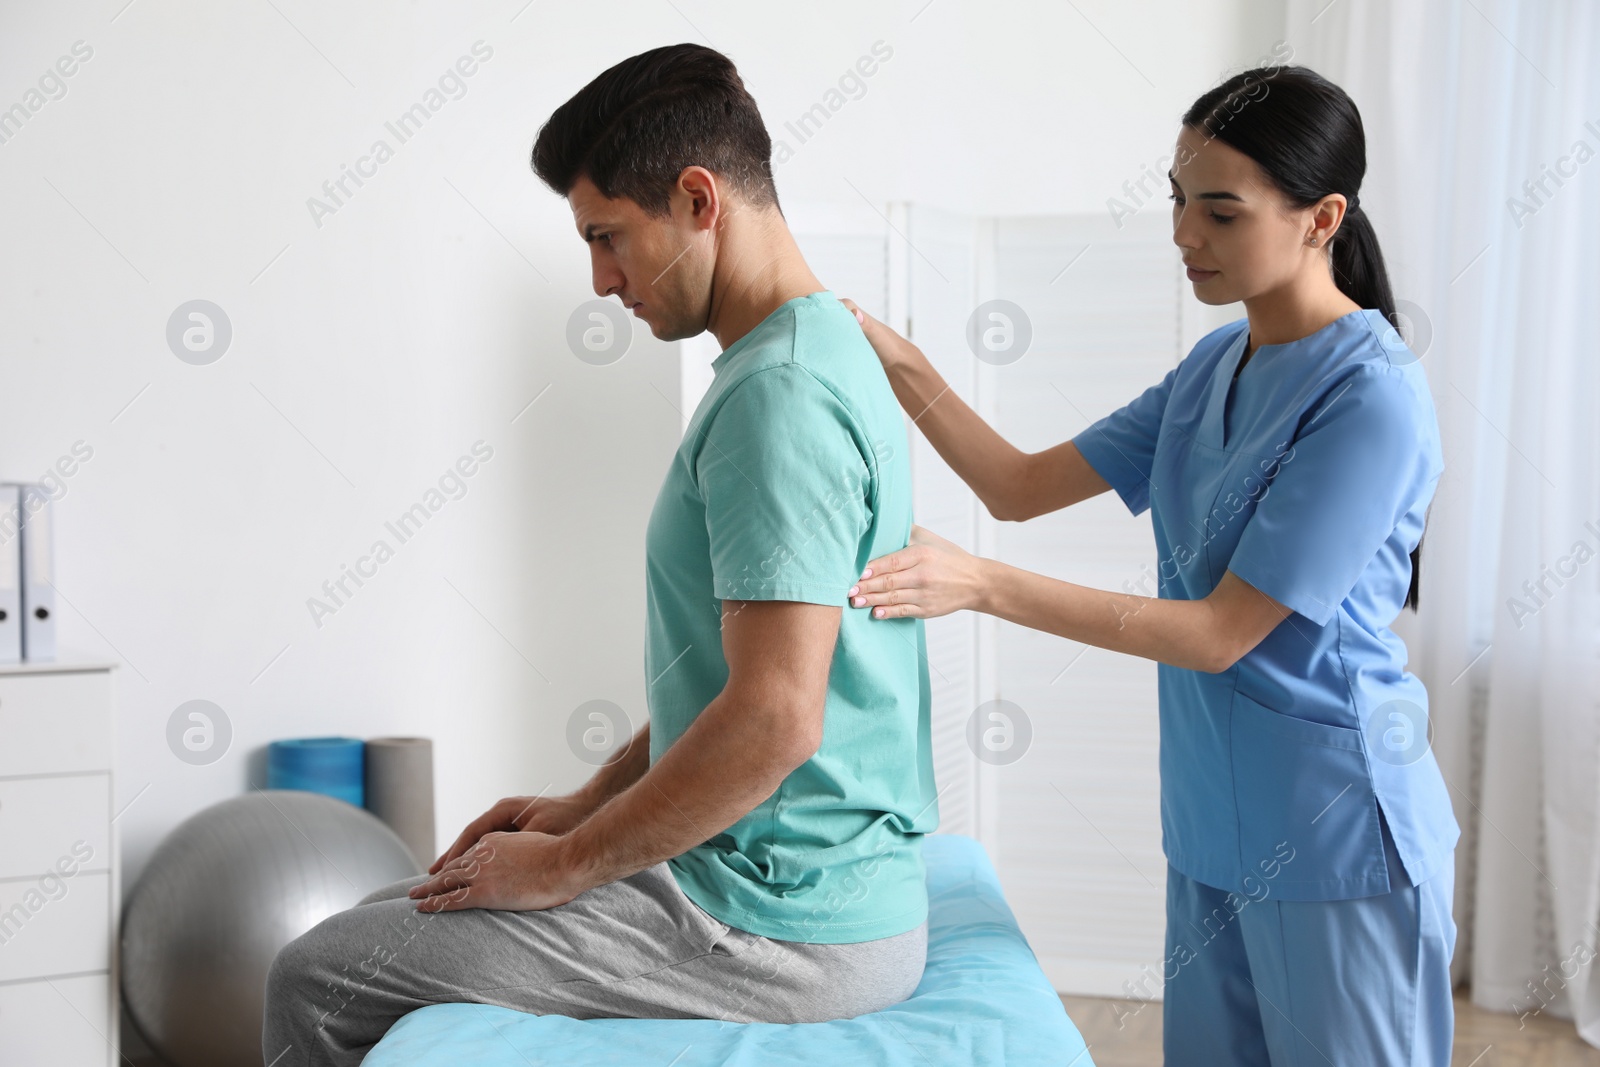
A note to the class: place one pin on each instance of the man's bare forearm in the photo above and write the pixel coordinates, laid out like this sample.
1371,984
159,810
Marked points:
728,761
625,767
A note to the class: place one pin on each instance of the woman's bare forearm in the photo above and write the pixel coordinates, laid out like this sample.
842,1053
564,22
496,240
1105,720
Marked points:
1014,485
992,467
1182,633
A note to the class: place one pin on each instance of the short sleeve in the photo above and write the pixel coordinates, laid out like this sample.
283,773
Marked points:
1359,465
787,490
1122,446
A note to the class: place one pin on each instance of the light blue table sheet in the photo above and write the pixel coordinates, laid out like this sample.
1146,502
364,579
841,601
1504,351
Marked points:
983,1001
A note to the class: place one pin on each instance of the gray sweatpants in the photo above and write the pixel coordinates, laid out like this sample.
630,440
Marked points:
635,948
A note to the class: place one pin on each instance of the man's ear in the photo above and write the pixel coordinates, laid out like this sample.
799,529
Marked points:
700,193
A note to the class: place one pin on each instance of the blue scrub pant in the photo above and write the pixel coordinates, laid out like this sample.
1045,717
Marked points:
1291,983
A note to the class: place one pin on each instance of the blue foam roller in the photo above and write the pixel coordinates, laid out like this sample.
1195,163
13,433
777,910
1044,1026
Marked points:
332,766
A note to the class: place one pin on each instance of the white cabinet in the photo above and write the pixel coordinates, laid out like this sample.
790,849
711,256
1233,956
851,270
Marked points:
58,867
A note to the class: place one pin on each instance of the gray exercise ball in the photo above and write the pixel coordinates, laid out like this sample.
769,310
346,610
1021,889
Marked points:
222,894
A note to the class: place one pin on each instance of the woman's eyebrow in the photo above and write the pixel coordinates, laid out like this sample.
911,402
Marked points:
1205,196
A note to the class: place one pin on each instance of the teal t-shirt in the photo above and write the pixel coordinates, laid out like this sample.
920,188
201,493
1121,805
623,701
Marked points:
792,475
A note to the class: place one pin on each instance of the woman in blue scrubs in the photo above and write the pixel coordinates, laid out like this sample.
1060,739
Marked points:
1288,463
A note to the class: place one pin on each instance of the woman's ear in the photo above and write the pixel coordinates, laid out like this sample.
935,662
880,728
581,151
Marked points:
1326,217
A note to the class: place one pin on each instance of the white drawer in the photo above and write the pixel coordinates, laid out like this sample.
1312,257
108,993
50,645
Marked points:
44,821
65,1022
68,934
55,722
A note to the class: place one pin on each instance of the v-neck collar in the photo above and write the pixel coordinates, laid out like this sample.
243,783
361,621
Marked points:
1222,382
1213,425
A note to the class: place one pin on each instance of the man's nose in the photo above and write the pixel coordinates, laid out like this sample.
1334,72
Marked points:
607,279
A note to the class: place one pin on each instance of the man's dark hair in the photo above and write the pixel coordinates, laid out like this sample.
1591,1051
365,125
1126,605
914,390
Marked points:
635,128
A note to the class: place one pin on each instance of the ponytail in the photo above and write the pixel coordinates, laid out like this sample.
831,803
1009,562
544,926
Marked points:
1359,273
1358,268
1306,134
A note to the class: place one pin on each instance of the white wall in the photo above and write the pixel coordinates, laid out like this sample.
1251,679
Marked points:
422,316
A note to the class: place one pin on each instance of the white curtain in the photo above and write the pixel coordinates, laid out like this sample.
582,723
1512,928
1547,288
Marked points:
1483,149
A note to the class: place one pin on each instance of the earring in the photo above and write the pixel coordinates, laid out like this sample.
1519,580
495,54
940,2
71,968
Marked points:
1313,242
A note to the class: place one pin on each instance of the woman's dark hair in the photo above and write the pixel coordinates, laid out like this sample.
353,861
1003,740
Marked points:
635,128
1306,134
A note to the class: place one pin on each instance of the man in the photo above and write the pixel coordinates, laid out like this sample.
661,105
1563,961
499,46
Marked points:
754,854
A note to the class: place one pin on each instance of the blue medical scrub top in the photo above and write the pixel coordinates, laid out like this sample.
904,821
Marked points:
1309,477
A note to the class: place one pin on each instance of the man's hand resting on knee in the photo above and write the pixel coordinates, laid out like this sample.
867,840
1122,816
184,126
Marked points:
631,815
517,871
545,815
555,815
540,815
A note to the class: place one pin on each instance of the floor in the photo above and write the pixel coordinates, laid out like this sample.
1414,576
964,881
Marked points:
1127,1033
